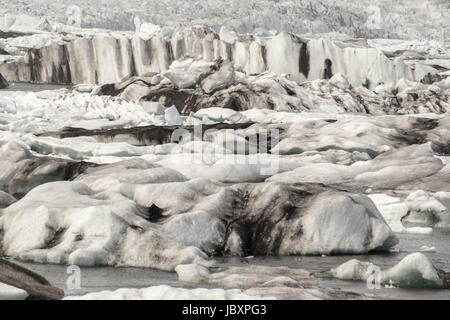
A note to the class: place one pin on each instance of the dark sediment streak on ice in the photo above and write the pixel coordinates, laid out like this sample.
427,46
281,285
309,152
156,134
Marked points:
3,82
36,286
31,171
12,34
142,136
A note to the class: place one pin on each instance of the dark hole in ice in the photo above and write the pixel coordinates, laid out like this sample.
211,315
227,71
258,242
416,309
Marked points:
327,71
154,213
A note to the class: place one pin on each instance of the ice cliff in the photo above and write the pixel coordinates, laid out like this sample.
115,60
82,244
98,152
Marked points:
112,58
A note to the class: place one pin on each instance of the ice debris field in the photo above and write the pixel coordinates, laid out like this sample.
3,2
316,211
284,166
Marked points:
167,147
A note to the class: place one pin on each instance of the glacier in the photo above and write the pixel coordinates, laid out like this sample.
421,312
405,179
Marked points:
365,19
112,58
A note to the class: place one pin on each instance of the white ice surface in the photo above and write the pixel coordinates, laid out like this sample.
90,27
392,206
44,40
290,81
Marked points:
52,110
8,292
166,293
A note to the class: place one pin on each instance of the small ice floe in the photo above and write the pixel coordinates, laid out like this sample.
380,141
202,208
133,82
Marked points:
414,271
173,117
191,272
426,248
390,285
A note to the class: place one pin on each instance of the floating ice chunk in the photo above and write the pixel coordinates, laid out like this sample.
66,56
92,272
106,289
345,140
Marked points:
172,116
352,270
444,216
191,272
338,217
153,107
426,210
426,248
8,292
394,211
415,270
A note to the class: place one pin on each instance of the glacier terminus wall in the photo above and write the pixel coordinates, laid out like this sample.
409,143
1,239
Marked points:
108,59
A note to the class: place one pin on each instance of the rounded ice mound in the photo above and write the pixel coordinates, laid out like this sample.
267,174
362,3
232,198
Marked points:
414,271
191,272
426,209
352,270
345,223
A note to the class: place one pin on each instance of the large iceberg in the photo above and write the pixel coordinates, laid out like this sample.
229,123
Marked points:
151,216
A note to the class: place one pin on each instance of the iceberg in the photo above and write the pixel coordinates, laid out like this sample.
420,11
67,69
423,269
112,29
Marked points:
413,271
